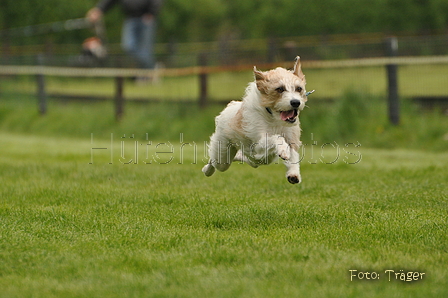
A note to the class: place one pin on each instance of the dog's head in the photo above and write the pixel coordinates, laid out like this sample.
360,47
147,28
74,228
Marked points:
283,91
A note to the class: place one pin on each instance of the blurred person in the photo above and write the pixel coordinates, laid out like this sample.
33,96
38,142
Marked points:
137,38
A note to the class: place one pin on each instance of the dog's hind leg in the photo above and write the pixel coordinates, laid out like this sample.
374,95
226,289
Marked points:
224,157
244,159
208,169
239,156
222,153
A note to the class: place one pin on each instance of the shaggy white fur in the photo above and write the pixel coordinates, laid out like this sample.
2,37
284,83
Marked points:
264,125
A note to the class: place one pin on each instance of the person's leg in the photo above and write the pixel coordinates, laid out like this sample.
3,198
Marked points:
138,40
145,51
129,37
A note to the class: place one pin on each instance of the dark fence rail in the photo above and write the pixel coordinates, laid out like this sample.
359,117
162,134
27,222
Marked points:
202,59
203,71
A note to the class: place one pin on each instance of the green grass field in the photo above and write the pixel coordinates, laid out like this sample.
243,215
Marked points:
74,229
139,219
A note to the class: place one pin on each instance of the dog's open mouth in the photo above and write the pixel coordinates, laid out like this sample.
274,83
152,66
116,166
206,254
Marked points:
289,116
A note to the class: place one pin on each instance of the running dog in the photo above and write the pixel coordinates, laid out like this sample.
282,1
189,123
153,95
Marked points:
264,125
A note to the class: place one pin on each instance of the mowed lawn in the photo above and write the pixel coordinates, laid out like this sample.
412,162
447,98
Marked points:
156,227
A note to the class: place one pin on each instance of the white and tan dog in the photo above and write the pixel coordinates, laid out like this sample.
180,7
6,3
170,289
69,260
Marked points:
264,125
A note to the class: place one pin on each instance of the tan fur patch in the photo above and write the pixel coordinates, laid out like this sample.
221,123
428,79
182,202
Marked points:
237,123
268,82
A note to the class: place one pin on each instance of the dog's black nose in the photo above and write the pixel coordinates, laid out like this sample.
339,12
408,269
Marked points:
295,103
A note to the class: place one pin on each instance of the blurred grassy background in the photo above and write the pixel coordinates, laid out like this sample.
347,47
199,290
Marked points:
349,106
414,80
353,117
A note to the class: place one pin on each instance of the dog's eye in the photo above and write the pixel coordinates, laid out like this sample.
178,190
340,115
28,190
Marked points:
280,89
299,89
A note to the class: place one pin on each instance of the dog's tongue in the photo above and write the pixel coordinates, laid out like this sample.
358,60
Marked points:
287,115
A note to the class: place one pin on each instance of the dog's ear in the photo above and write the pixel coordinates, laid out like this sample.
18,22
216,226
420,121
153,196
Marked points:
260,80
259,75
298,69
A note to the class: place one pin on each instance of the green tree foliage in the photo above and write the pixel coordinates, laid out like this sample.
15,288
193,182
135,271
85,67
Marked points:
302,17
203,20
15,13
23,13
193,19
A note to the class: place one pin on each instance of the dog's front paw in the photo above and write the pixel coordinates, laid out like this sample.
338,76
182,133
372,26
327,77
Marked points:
284,151
294,179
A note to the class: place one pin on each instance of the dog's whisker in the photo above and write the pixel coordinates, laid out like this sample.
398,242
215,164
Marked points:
310,92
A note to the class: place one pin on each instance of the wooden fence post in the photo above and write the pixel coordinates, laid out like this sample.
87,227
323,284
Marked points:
392,79
41,94
203,78
119,98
